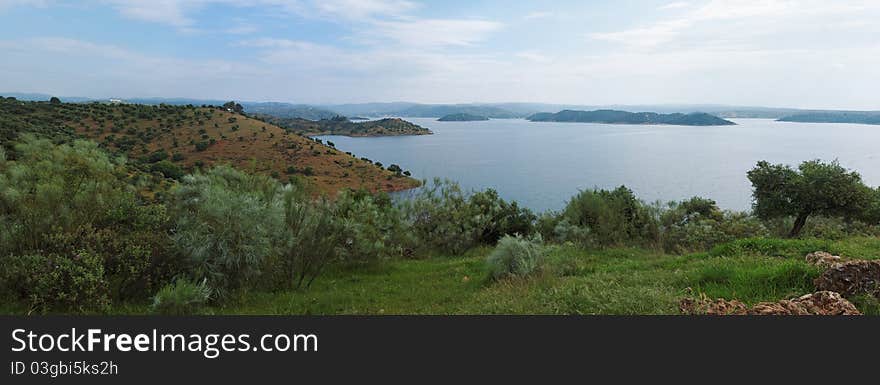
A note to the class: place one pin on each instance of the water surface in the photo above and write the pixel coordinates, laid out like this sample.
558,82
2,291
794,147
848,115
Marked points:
542,164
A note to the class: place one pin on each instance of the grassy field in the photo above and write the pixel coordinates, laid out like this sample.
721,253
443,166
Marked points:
574,281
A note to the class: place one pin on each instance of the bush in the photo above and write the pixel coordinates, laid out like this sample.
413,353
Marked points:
225,221
440,218
312,238
44,192
56,283
496,217
372,227
168,169
609,218
182,297
446,219
697,224
515,256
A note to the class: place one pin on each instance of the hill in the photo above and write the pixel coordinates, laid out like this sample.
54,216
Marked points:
182,138
340,125
856,117
287,110
462,118
623,117
414,110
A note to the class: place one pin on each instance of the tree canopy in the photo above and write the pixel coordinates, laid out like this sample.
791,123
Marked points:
815,188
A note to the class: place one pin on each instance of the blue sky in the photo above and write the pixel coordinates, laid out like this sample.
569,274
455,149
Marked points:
797,53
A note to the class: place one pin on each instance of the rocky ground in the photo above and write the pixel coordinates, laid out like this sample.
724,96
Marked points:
842,278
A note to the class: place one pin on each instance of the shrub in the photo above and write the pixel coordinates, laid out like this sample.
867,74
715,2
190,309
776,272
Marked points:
496,217
440,218
224,225
607,218
515,256
51,190
312,237
168,169
372,225
56,282
182,297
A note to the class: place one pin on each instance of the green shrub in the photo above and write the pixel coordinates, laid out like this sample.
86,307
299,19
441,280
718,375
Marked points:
372,227
608,218
447,219
515,256
182,297
56,283
58,189
225,221
312,237
168,169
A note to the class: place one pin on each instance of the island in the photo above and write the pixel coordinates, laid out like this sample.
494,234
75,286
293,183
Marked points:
854,117
340,125
624,117
462,117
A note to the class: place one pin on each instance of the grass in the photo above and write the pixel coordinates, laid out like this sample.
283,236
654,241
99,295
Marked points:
574,281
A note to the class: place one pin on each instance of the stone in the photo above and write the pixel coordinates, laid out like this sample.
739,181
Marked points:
851,278
818,303
823,259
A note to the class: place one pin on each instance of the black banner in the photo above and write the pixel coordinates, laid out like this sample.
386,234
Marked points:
418,349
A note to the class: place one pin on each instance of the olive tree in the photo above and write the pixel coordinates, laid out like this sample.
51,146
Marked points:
815,188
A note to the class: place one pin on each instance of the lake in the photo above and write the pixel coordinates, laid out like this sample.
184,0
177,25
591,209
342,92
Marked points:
542,164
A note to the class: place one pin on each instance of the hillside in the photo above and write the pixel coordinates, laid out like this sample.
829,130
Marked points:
855,117
287,110
462,118
623,117
342,126
191,137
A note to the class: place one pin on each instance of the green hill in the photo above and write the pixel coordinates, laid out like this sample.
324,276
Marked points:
624,117
855,117
340,125
462,118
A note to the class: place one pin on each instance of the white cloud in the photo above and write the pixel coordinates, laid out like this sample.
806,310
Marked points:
360,9
434,32
675,5
744,24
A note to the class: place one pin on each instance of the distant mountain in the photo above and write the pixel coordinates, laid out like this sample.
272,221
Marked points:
414,110
436,111
340,125
287,110
462,118
624,117
858,117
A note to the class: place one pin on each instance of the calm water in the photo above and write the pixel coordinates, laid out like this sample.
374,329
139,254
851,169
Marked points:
542,164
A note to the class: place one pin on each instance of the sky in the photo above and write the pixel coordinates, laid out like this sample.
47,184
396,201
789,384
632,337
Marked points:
775,53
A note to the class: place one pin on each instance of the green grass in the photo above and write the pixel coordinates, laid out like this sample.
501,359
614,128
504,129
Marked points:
574,281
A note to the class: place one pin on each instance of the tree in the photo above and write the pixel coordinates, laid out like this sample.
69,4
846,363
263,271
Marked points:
235,107
815,188
55,100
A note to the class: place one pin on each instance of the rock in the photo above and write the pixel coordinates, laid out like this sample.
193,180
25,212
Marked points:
851,278
819,303
823,259
706,306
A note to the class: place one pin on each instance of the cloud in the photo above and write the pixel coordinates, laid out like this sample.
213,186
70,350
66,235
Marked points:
434,32
360,9
675,5
743,24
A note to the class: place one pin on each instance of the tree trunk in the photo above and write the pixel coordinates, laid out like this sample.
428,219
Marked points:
798,225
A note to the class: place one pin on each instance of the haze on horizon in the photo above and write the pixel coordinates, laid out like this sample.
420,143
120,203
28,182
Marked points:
775,53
